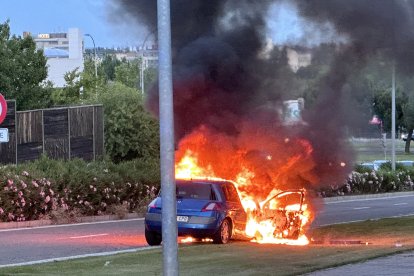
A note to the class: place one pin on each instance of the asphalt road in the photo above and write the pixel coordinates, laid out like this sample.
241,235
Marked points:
359,209
33,244
51,242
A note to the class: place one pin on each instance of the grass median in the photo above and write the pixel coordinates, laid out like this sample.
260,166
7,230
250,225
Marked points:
378,238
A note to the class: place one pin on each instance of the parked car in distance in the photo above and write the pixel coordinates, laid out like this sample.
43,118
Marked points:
377,164
368,165
406,163
205,209
405,135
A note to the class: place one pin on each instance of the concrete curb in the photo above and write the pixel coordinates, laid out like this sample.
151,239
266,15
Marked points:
356,197
46,222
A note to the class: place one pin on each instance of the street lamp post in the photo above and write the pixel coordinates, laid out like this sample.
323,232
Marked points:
142,74
94,49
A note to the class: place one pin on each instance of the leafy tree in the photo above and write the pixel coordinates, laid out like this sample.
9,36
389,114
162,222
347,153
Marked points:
130,131
22,71
408,110
107,67
71,92
127,73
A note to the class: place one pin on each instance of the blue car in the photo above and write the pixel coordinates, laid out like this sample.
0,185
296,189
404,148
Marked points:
205,209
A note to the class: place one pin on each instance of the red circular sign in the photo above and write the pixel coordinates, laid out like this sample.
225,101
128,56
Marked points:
3,108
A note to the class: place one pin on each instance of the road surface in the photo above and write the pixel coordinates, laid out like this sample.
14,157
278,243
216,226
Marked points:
359,209
51,242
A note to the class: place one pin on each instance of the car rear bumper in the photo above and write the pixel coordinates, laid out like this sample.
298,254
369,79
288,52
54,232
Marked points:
196,226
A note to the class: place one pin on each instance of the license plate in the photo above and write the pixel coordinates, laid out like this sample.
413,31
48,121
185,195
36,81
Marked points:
182,218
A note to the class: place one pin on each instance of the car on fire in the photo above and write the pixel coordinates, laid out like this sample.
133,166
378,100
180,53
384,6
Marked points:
285,210
205,209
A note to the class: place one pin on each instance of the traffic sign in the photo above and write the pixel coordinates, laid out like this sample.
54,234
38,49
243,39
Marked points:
3,108
4,135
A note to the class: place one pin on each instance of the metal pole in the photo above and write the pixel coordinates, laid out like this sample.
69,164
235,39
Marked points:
169,208
94,49
393,120
141,75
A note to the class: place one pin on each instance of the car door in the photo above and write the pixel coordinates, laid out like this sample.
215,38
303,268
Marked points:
238,214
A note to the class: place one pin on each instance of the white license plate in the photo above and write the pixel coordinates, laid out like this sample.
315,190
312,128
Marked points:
182,218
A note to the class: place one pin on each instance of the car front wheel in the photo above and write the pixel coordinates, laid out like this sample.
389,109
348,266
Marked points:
223,235
153,238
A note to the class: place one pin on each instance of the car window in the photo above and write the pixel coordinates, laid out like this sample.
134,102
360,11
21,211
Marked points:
282,201
195,191
230,193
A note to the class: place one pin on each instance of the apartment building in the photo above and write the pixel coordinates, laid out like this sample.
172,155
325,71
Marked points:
64,53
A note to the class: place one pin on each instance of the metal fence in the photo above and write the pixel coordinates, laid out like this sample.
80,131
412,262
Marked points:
60,133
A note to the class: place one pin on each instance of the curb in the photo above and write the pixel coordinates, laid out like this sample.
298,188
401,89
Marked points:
47,222
356,197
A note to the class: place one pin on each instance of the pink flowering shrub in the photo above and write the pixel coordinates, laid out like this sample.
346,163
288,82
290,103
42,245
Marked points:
371,182
34,190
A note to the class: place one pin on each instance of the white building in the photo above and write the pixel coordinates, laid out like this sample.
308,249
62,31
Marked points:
298,58
64,53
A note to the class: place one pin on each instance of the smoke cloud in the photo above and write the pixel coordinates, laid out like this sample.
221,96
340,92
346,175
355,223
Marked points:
228,92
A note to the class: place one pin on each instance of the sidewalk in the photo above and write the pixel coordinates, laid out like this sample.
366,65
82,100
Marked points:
399,264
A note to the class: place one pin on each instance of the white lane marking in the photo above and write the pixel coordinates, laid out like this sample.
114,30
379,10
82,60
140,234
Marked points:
68,225
89,236
361,208
367,199
402,203
82,256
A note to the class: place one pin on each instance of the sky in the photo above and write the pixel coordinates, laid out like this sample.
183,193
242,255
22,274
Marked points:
91,16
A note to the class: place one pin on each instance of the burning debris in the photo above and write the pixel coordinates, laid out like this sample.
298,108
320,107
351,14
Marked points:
227,97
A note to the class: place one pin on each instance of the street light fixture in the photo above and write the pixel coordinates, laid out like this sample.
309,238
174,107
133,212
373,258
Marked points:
94,49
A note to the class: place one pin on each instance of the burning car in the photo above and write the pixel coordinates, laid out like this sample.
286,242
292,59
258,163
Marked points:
205,209
282,216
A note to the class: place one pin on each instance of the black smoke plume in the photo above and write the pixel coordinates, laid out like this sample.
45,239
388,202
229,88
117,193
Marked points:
221,79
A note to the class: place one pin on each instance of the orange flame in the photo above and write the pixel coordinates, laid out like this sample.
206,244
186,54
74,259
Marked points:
260,229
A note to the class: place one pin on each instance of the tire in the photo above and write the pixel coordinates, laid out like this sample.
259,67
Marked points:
223,235
153,238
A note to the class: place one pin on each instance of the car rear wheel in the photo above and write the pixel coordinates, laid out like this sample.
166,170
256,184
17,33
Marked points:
223,235
153,238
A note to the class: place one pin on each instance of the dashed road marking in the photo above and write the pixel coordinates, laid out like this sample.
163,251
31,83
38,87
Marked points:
402,203
89,236
361,208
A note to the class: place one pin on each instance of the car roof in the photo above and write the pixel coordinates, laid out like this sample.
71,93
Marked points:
204,181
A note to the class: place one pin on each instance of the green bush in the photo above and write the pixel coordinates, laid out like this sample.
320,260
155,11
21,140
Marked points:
130,131
46,187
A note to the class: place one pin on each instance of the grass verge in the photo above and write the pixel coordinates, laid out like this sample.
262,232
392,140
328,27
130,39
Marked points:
384,237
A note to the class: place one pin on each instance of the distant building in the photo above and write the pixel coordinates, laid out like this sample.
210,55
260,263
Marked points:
64,53
298,57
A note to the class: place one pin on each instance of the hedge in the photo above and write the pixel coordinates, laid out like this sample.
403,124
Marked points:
48,188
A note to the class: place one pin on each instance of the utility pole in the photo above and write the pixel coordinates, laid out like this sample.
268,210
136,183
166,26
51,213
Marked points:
169,207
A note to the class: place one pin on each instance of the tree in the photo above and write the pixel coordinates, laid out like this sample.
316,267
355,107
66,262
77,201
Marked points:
408,111
107,67
23,71
130,131
71,92
127,73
